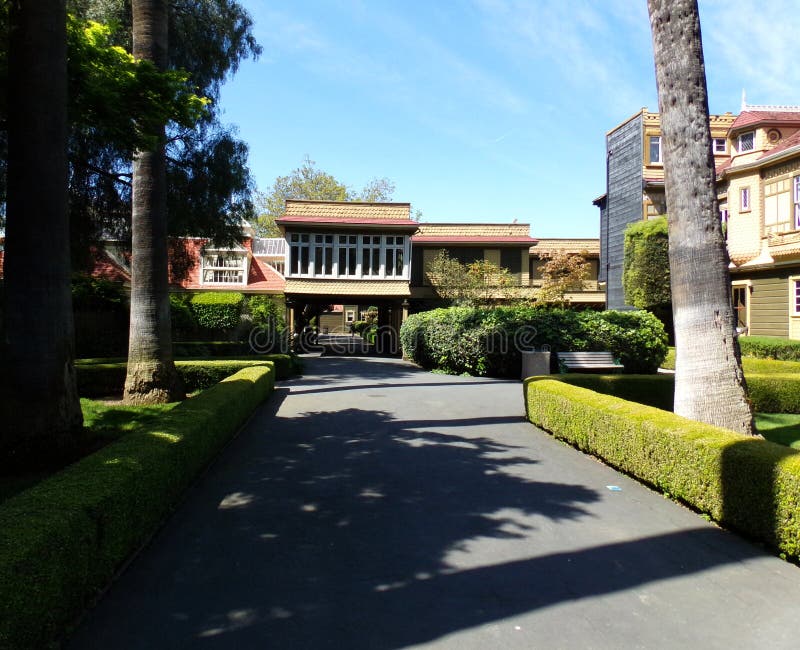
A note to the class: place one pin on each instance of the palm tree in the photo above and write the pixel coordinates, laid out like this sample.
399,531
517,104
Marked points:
42,414
151,374
709,383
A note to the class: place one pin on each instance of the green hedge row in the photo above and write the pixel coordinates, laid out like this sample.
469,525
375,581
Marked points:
775,393
748,484
769,347
210,348
217,310
62,540
485,341
98,378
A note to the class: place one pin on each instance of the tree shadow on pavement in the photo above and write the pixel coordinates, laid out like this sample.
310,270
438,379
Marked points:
350,529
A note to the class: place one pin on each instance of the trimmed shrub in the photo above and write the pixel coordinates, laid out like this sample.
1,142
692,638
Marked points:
108,378
62,540
195,349
776,393
770,347
483,341
217,310
748,484
183,320
657,391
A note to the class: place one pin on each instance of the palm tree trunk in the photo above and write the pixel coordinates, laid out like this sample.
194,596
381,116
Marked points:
41,414
151,377
709,383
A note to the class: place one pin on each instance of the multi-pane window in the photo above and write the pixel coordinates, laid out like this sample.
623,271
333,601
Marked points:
655,149
348,254
371,255
223,268
723,217
744,199
720,145
341,255
747,141
796,193
300,254
323,254
778,208
394,255
796,296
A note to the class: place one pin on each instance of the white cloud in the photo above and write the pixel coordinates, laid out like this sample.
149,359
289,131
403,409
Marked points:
753,45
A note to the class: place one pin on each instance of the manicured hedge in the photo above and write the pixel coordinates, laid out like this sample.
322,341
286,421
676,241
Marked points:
770,347
209,348
484,341
62,540
775,393
746,483
217,310
100,378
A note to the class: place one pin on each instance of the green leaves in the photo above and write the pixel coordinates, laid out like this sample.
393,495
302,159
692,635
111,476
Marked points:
645,276
127,102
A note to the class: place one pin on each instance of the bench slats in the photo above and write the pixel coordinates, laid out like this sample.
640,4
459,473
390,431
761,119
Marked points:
588,361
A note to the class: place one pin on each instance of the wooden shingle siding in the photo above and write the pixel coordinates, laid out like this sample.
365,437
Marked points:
624,151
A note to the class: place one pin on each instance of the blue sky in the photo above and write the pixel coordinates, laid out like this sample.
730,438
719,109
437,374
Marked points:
482,110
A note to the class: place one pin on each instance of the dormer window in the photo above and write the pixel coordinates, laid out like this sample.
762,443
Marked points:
746,141
224,268
655,149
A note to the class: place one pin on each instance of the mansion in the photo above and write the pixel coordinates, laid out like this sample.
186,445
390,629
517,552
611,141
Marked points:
757,157
335,260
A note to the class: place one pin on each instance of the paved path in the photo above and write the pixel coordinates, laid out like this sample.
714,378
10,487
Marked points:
371,505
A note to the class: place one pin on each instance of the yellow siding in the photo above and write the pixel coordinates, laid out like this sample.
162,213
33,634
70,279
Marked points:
744,228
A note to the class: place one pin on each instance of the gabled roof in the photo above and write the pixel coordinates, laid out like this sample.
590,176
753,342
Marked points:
754,118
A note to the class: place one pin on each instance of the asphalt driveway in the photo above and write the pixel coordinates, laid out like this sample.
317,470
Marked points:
373,505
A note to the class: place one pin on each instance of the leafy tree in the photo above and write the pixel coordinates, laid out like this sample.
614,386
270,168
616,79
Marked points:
310,183
479,283
41,412
151,377
709,383
210,184
645,274
562,272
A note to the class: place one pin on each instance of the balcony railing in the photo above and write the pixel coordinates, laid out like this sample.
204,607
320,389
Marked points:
269,247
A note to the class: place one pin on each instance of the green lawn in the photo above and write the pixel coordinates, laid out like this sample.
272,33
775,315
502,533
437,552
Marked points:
103,423
783,428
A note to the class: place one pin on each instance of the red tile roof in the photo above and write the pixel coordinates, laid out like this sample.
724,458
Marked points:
789,143
263,277
751,118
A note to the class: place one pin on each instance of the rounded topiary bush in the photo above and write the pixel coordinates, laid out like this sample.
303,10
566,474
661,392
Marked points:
485,341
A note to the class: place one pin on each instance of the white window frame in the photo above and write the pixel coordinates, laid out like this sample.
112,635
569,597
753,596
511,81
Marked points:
314,242
716,149
794,295
724,219
745,199
796,197
752,146
223,269
651,141
350,316
747,285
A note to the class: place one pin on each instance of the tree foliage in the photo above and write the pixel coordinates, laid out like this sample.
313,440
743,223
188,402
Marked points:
645,275
562,272
310,183
479,283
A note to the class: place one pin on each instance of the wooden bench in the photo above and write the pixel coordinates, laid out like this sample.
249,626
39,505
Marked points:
587,362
